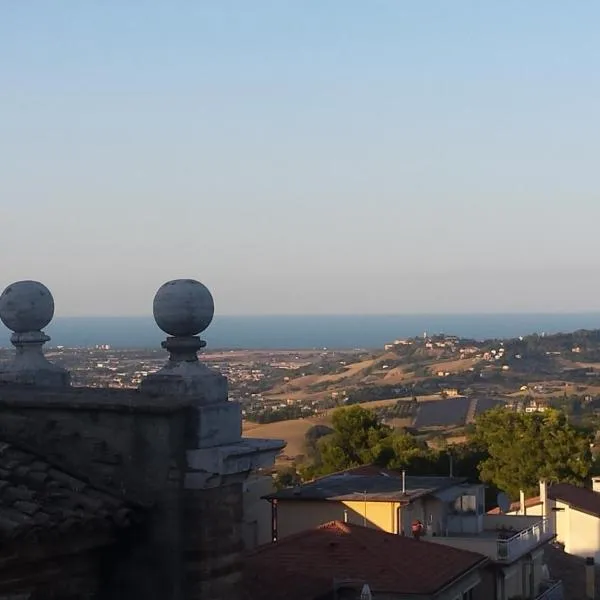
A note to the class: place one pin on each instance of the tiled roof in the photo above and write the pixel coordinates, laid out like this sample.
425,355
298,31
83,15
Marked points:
376,483
38,499
580,498
515,506
304,565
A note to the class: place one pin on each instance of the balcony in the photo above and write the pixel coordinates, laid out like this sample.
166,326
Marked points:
518,544
553,592
503,538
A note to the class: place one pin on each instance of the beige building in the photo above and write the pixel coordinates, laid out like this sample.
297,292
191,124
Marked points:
450,510
573,513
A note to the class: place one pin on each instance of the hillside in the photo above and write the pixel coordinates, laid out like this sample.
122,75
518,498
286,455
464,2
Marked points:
401,379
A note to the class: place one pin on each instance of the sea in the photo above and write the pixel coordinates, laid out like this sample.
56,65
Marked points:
310,332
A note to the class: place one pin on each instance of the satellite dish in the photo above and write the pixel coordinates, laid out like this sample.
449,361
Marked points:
503,502
365,593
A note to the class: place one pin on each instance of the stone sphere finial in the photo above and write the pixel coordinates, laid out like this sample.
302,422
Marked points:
183,307
26,306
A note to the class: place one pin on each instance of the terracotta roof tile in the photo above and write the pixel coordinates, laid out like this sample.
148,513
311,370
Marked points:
514,506
36,496
580,498
304,565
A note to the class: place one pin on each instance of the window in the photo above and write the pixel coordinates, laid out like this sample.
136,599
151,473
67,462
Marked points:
465,504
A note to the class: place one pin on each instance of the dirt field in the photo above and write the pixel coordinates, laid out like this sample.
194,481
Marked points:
292,432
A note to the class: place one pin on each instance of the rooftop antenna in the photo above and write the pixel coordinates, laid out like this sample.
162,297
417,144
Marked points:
503,502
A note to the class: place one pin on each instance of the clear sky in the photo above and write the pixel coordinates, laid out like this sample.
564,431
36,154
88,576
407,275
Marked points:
308,156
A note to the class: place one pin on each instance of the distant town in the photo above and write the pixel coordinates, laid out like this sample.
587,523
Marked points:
465,377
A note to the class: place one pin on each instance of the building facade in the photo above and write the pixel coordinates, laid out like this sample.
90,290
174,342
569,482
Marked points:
449,510
573,513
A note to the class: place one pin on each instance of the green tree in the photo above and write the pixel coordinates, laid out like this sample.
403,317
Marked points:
358,438
406,452
286,477
526,447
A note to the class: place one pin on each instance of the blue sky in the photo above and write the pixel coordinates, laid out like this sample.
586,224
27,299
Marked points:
315,156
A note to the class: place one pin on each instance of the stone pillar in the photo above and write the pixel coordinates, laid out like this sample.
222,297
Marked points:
26,307
218,458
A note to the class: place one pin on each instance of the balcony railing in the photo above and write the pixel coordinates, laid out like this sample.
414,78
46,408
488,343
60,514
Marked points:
521,542
554,592
499,546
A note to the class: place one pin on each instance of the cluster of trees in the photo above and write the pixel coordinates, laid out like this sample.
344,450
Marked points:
523,448
357,437
510,451
281,414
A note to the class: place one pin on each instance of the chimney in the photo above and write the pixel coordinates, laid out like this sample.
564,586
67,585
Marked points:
544,497
522,508
596,484
404,482
590,578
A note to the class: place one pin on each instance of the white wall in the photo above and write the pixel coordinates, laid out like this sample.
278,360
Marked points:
579,532
257,512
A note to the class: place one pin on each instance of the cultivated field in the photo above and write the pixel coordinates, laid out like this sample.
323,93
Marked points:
292,432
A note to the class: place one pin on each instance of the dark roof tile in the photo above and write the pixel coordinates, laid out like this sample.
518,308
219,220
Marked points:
581,498
35,495
375,483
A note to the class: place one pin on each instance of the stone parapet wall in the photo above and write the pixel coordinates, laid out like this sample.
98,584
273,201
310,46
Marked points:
119,439
213,544
125,442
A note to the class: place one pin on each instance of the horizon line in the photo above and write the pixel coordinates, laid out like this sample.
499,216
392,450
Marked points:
344,314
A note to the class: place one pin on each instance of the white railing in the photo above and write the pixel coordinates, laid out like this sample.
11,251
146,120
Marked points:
521,542
554,592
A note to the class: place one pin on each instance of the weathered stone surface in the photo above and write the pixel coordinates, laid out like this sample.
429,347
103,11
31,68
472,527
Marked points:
214,545
183,307
189,379
174,448
206,467
124,441
26,307
219,423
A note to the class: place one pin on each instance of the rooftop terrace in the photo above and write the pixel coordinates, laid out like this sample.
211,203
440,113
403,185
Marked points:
504,538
